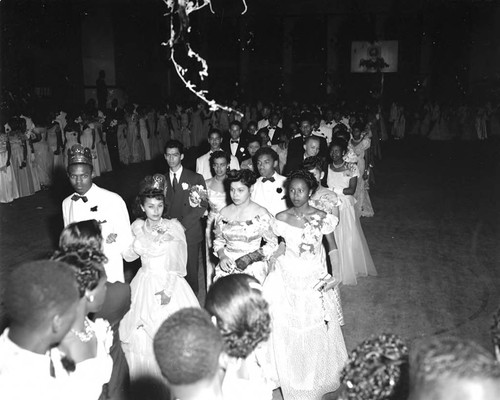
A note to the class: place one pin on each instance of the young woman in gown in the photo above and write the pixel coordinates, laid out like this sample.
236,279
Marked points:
159,287
253,144
8,183
355,257
84,351
88,138
144,132
217,200
242,315
306,343
135,145
18,158
360,144
239,230
325,200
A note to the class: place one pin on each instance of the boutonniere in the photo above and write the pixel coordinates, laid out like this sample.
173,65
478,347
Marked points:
242,149
185,186
93,209
279,190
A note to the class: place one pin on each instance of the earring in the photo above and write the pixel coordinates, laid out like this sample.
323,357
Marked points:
91,298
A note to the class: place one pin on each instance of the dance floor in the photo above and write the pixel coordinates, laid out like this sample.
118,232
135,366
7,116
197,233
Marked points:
434,239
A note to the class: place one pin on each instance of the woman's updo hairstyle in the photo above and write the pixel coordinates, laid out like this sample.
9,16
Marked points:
241,312
87,263
304,175
81,234
245,176
151,187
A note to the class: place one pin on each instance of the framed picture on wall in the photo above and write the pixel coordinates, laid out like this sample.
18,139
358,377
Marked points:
371,57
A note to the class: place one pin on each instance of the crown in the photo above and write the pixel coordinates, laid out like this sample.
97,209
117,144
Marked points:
155,182
78,154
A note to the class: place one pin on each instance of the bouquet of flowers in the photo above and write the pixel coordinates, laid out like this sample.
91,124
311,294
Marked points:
197,194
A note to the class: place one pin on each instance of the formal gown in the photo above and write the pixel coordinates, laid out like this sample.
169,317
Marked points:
326,200
121,136
238,238
8,183
216,202
363,204
59,159
143,130
19,166
91,373
135,144
44,160
355,257
102,149
306,346
163,254
87,139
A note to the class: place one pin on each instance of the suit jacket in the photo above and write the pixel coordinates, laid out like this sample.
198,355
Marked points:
178,204
276,135
295,155
241,153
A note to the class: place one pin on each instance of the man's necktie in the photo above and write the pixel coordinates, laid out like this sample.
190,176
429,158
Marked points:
174,182
77,197
271,179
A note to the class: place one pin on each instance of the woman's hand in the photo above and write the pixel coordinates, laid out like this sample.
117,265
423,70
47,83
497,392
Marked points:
227,265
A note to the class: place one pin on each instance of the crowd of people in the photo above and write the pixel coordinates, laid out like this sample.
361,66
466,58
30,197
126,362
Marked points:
274,206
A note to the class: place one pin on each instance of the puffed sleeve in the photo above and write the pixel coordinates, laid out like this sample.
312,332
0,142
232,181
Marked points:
266,224
329,224
219,240
353,170
129,253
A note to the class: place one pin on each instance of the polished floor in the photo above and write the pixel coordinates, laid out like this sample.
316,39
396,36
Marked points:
434,239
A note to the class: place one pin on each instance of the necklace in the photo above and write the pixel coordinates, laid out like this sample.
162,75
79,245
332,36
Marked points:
338,166
299,217
158,229
87,334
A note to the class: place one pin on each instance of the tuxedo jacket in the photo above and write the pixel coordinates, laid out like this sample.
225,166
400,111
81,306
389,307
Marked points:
276,134
241,153
178,204
295,155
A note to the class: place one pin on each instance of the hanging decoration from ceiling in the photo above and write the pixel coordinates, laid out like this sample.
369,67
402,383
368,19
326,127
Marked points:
179,11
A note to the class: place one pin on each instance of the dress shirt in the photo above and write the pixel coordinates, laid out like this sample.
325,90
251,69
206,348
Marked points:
110,211
270,195
177,173
234,146
203,165
265,122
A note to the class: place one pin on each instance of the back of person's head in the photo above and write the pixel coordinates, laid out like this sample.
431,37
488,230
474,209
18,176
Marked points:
241,312
377,369
188,347
37,291
83,233
448,368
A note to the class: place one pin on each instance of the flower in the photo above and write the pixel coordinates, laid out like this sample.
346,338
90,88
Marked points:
197,194
185,186
242,149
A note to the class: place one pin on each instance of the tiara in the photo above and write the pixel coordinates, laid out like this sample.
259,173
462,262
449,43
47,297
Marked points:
78,154
155,182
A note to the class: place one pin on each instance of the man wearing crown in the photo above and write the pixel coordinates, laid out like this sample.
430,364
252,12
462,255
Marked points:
89,201
92,202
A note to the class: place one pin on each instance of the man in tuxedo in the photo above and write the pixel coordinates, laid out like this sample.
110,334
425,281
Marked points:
189,213
297,147
236,144
273,130
203,166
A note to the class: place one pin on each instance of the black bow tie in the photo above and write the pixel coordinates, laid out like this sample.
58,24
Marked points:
235,141
328,122
272,127
271,179
77,197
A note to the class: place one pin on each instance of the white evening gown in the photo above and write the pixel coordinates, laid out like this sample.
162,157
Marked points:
355,257
217,201
306,345
163,255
